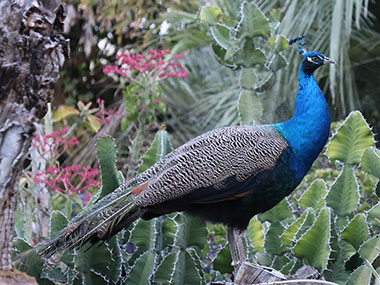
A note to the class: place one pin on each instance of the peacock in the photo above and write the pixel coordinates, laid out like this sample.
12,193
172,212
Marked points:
227,175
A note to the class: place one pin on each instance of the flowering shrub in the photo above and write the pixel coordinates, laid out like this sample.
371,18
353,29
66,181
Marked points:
152,65
55,143
143,74
104,116
69,180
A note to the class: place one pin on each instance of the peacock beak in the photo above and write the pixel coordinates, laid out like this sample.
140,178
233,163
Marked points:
328,60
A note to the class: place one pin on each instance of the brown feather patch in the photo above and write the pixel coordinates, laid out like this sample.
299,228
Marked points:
140,188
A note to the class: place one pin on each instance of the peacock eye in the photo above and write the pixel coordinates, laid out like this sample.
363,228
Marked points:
315,58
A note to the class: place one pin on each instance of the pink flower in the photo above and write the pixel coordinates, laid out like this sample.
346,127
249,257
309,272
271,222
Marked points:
104,116
152,64
56,143
109,69
177,56
74,179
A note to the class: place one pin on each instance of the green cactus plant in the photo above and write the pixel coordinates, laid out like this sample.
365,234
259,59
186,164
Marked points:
246,39
325,227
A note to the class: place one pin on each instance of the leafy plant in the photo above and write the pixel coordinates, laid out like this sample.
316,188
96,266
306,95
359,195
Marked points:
325,227
143,73
160,250
332,226
247,40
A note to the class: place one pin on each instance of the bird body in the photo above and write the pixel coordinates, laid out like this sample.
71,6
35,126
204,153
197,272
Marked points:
225,176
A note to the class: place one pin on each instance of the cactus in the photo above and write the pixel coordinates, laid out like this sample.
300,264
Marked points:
246,39
324,227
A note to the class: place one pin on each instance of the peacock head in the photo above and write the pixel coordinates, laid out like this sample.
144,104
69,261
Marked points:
312,60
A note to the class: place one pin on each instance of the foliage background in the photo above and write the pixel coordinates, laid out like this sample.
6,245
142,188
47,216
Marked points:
347,31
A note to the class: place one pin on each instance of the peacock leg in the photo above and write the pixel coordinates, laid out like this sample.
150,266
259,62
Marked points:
236,247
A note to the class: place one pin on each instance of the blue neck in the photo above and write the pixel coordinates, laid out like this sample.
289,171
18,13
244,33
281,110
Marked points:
308,130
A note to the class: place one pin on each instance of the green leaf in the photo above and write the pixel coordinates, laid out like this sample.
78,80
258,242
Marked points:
373,215
115,268
179,267
264,258
55,275
143,267
124,124
289,234
63,112
343,196
58,221
278,43
287,268
249,55
106,151
263,75
361,275
229,53
92,123
272,242
253,22
341,222
132,105
220,55
275,14
29,261
356,231
222,262
371,161
159,149
336,272
99,263
314,244
190,232
144,235
221,35
370,249
255,233
193,274
19,224
280,261
306,225
90,278
248,78
249,106
96,259
132,89
169,230
210,15
278,213
194,38
278,62
350,140
313,197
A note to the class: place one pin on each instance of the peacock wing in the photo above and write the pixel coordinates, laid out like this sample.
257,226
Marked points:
211,162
